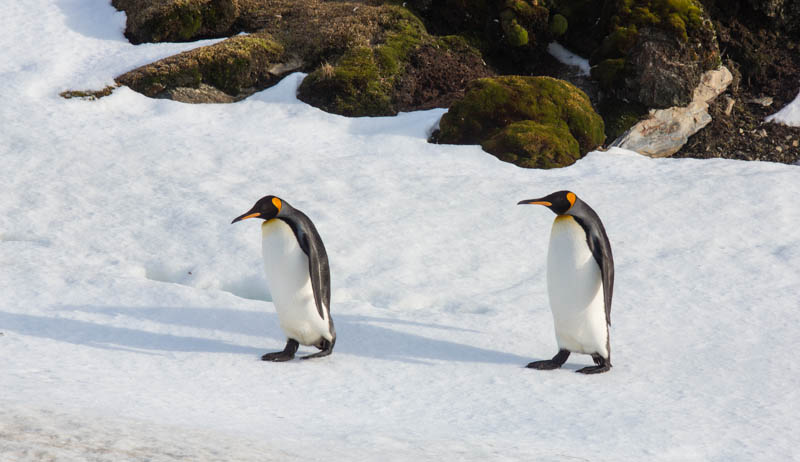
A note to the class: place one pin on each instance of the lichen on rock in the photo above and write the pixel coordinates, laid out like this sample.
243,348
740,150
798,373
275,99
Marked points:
531,121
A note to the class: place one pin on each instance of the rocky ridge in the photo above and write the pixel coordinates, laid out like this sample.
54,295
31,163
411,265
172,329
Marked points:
370,57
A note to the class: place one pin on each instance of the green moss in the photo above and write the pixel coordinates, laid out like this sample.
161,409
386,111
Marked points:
516,35
231,66
491,106
186,20
360,83
533,145
558,25
619,116
609,71
353,87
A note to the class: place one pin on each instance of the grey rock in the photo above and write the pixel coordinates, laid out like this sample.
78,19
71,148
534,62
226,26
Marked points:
665,131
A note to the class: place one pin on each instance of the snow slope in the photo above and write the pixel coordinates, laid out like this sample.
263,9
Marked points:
133,314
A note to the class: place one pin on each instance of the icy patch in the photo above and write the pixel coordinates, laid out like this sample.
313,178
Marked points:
789,115
569,58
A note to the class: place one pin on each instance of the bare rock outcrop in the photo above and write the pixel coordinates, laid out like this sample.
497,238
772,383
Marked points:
665,131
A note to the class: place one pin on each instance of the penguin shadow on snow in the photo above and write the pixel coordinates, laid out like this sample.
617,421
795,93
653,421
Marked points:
366,336
113,338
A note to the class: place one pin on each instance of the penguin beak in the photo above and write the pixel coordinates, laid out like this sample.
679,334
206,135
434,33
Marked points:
535,202
246,216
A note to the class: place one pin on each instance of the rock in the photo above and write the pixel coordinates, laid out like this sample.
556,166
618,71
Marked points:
712,84
512,33
665,131
654,52
536,122
765,101
782,13
177,20
729,103
236,67
363,59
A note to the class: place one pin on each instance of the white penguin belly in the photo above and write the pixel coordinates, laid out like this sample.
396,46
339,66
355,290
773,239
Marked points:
286,269
575,290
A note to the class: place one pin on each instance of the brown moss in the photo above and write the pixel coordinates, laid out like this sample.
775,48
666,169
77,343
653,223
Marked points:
90,95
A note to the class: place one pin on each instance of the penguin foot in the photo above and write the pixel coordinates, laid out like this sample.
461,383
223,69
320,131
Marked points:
594,369
558,360
546,365
326,347
603,365
286,355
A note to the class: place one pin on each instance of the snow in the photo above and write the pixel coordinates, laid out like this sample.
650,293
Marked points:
789,115
133,314
567,57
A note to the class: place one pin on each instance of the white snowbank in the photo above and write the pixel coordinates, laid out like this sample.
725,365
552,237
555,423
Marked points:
789,115
567,57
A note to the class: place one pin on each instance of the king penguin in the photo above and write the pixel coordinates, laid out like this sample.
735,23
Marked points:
580,282
298,277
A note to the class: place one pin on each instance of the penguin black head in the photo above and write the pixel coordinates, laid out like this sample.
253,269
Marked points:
559,202
267,208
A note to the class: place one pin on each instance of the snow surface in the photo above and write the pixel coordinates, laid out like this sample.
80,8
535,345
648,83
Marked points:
789,115
567,57
133,314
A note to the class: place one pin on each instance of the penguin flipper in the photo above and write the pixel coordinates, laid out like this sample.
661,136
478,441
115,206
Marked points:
318,268
597,240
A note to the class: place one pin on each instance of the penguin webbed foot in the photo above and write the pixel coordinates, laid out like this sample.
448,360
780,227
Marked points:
326,347
549,364
286,355
602,365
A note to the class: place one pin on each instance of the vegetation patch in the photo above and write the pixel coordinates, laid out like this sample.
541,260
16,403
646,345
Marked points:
235,66
177,20
89,95
560,124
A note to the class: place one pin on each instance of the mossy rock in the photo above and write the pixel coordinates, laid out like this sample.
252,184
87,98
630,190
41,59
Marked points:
370,80
177,20
624,18
560,125
651,52
363,58
531,144
237,66
512,33
619,116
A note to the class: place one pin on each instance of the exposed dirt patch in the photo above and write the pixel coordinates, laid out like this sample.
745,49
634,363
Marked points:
743,134
436,79
765,61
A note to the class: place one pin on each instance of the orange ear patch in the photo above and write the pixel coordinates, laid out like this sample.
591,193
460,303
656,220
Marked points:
571,198
277,203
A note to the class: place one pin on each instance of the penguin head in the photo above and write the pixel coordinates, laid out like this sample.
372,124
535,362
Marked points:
267,208
559,202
